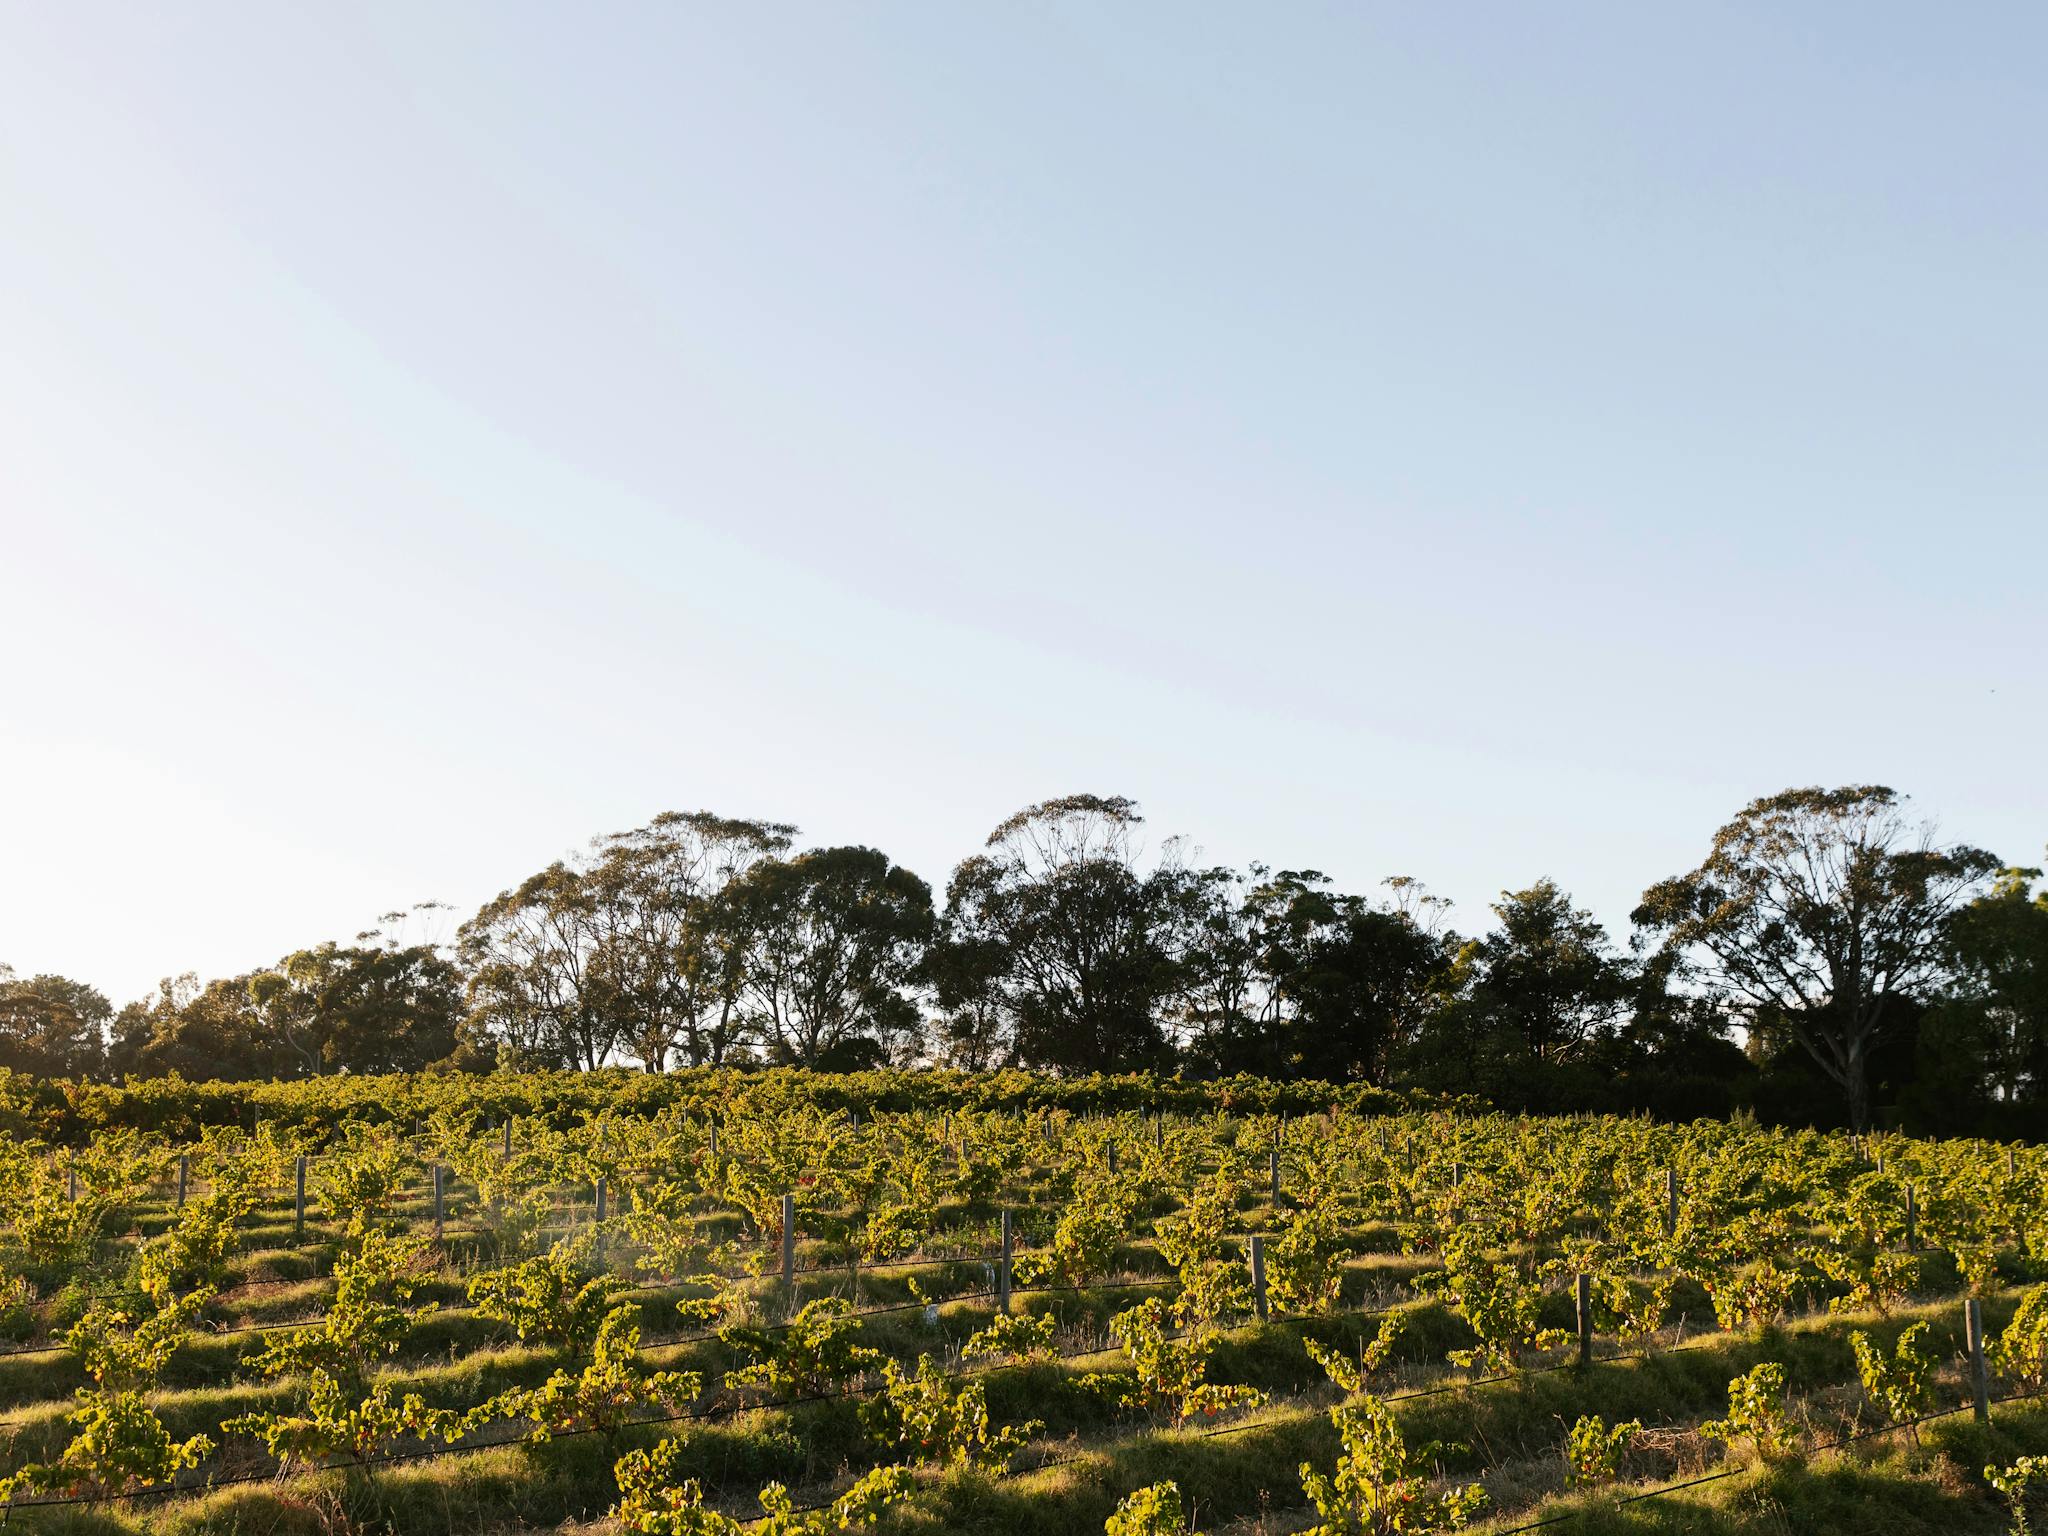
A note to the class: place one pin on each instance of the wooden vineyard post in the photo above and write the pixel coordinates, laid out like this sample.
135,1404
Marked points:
1912,1220
1003,1268
1110,1148
1259,1277
1273,1170
1670,1202
1159,1130
504,1160
1980,1386
1980,1380
1583,1296
789,1249
714,1138
440,1206
184,1177
299,1197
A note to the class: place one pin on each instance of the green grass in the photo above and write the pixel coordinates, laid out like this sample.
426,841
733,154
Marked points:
1885,1487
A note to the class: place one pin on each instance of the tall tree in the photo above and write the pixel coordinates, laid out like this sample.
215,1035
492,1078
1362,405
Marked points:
537,976
1816,911
669,958
52,1026
1298,980
1548,976
624,951
214,1031
366,1007
833,938
1996,1008
1232,1005
135,1025
964,971
1523,1005
1093,948
1363,979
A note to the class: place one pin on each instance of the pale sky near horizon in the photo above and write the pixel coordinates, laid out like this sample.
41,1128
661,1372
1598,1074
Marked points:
1474,442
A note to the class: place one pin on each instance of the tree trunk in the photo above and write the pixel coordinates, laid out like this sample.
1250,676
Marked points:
1857,1083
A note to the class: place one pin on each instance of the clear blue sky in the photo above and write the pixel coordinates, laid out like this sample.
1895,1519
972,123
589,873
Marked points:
1476,442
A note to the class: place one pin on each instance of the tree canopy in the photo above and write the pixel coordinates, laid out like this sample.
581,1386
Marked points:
1828,949
1816,911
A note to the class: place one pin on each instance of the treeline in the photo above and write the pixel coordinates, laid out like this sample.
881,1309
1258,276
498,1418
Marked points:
1827,961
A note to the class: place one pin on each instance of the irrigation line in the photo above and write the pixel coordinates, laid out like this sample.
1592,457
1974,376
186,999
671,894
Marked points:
908,1306
233,1290
917,1306
728,1277
314,1322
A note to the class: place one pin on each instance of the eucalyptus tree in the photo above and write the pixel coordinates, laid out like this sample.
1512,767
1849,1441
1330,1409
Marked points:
832,941
1360,978
537,982
1295,979
670,959
1086,948
52,1026
1994,1015
212,1030
1232,1011
963,974
626,951
381,1004
1819,912
1546,977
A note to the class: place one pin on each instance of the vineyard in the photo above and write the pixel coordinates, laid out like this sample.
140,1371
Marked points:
751,1308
